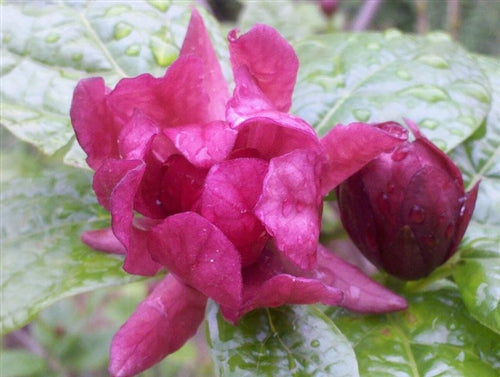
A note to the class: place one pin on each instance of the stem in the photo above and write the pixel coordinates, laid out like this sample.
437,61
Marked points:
422,17
366,14
31,344
453,17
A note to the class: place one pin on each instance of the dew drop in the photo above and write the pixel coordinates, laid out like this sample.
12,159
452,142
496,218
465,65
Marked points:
417,214
163,52
400,154
429,123
434,61
477,91
133,50
362,114
315,343
117,10
402,74
121,30
52,38
161,5
426,92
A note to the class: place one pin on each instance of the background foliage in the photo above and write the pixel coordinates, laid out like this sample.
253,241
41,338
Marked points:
453,324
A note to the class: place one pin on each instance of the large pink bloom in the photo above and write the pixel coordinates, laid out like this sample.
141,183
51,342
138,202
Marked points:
225,192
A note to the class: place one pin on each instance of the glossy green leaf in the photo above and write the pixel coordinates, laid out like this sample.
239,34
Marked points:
42,258
434,337
288,341
478,273
375,77
62,42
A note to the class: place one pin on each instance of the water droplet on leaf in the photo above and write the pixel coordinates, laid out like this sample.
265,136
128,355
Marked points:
426,92
133,50
402,74
121,30
362,114
315,343
433,61
429,123
163,52
417,214
52,38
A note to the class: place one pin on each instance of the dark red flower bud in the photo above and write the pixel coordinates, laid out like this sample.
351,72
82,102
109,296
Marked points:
407,210
329,7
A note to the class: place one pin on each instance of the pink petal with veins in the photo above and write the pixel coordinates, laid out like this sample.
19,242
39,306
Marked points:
231,191
270,59
94,123
160,325
200,254
349,148
290,205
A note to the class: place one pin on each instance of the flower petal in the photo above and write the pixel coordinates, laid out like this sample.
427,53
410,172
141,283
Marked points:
93,122
177,98
135,136
116,183
203,145
198,42
274,134
349,148
290,205
103,240
200,255
361,293
230,194
270,59
160,325
268,284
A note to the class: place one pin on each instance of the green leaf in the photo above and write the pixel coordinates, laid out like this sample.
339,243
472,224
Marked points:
375,77
42,258
435,336
478,274
60,43
20,363
288,341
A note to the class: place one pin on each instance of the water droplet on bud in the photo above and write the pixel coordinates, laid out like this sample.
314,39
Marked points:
399,154
417,214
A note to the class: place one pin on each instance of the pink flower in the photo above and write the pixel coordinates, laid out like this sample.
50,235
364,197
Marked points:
225,192
407,210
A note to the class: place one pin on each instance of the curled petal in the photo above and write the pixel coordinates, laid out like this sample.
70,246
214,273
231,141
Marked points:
290,205
361,293
177,98
273,134
160,325
116,183
134,138
198,42
200,255
228,200
349,148
93,121
270,59
203,145
268,284
103,240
